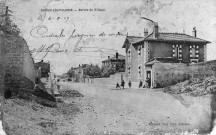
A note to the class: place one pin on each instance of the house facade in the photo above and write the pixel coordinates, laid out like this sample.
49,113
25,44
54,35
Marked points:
45,68
113,61
143,52
79,72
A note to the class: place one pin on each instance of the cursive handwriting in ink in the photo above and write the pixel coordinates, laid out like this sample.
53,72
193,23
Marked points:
41,31
53,48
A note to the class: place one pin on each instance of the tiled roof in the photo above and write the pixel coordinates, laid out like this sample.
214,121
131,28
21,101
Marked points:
120,57
82,66
133,39
163,60
168,37
174,37
42,65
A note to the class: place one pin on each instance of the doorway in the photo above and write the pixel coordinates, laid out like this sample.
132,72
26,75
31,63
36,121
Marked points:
148,76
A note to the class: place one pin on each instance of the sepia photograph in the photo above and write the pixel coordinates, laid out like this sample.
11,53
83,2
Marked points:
107,67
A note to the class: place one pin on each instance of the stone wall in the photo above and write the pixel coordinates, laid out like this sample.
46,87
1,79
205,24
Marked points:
28,65
133,63
202,69
1,69
111,81
17,66
165,74
170,73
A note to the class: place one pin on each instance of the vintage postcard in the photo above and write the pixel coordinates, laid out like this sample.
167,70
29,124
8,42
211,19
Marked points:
108,67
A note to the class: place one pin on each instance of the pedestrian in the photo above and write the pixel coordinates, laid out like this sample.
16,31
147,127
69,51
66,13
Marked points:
129,84
58,85
148,82
122,83
140,84
117,86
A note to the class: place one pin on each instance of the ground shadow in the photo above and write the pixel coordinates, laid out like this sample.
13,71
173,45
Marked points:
119,89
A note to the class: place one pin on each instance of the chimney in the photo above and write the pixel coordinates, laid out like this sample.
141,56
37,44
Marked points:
194,32
145,32
79,65
155,34
41,60
116,55
108,57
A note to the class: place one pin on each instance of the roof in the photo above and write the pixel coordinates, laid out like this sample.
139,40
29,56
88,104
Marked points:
82,66
175,37
167,37
163,60
120,57
42,65
133,39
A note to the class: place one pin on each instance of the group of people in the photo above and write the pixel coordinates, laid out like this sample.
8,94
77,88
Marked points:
147,85
122,84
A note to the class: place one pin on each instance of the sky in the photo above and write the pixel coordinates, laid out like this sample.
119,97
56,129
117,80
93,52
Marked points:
101,24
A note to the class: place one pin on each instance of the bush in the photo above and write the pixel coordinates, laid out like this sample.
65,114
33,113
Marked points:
7,94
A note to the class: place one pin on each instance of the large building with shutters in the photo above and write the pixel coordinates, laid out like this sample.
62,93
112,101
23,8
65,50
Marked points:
117,59
143,52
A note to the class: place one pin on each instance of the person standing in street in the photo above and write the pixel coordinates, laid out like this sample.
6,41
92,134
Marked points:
140,84
117,86
58,85
122,83
148,82
129,84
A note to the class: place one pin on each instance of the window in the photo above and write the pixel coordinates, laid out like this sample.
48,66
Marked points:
129,55
194,53
129,72
177,51
139,71
139,51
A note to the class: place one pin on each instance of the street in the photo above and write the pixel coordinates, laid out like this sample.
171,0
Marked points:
134,111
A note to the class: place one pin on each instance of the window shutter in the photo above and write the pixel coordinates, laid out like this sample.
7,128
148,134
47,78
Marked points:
173,50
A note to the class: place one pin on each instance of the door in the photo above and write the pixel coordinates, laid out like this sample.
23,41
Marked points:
149,78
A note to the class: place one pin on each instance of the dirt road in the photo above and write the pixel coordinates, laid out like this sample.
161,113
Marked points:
135,111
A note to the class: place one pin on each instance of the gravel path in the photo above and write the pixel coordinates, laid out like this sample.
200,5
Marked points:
132,111
97,110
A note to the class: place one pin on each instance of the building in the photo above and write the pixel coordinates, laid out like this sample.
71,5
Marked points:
143,52
118,58
79,72
45,68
